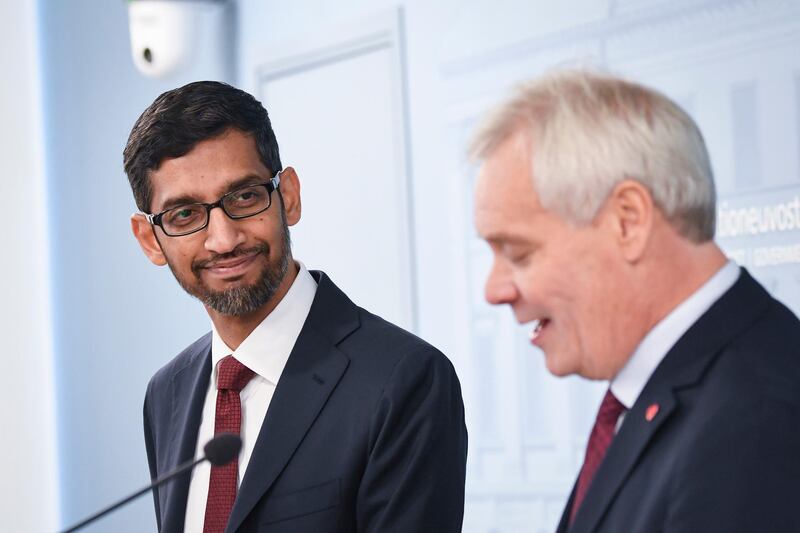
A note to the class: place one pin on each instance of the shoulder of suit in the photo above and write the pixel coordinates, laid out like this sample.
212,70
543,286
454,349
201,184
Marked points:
374,324
764,360
186,357
379,338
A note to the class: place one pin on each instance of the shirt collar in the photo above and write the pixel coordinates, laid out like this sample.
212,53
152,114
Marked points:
629,382
267,348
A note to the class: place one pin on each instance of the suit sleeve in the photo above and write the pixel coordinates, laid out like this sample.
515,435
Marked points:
743,474
414,479
151,456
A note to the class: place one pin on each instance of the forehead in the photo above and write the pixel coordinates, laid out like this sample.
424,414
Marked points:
505,197
207,170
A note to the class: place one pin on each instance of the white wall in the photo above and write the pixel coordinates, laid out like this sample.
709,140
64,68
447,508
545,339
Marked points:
116,319
28,486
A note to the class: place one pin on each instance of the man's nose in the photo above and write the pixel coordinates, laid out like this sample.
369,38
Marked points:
499,288
223,234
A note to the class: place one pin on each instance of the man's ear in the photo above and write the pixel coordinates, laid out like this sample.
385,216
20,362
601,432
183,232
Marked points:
290,192
631,211
146,236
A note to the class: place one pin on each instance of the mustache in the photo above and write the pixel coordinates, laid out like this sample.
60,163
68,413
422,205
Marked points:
199,265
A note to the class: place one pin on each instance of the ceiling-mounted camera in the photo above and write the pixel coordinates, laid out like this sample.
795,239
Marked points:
168,36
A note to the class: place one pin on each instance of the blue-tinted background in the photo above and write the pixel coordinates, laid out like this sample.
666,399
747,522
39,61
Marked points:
87,319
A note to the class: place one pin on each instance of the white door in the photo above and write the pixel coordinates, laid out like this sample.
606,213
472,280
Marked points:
346,140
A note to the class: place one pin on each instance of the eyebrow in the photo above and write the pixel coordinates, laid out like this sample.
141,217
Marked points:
504,237
244,181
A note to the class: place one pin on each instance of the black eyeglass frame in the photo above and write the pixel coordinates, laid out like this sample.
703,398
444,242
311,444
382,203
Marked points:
272,185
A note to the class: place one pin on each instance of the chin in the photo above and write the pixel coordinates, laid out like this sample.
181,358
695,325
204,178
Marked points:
558,370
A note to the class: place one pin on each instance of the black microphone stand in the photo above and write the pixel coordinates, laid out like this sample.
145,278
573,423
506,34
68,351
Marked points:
188,465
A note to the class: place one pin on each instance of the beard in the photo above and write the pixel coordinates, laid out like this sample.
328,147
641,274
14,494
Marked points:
244,300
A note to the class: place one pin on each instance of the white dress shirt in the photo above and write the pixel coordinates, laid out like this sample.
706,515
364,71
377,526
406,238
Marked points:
265,352
629,382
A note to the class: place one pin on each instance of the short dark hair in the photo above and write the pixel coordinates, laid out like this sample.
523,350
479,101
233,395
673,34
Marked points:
179,119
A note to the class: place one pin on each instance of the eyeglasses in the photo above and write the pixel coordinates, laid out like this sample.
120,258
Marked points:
241,203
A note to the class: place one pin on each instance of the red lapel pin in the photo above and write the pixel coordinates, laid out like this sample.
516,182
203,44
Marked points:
651,412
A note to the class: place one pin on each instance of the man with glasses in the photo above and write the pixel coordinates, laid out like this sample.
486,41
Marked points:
348,422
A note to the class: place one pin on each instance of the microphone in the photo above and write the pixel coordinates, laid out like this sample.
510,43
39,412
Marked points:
222,449
219,451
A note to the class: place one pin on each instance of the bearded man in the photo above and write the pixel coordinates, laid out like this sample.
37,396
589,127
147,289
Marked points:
348,423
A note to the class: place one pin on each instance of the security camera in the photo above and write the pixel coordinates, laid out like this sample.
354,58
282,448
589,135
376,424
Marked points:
169,36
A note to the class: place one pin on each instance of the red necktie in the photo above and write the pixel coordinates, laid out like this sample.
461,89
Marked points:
599,441
232,377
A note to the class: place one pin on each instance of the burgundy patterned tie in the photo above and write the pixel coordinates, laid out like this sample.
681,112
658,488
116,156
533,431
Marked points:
599,441
232,377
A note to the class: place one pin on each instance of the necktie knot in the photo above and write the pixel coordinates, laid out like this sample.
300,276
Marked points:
610,409
233,375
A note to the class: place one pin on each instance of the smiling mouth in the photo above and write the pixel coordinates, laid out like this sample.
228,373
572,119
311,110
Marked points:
233,265
538,326
230,269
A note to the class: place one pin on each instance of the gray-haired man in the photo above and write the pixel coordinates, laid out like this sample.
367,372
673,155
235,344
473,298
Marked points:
597,199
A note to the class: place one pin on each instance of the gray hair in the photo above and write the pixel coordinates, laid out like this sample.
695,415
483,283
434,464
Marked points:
591,131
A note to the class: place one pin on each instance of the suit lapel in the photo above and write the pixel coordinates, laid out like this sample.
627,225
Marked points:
189,386
682,367
312,372
622,456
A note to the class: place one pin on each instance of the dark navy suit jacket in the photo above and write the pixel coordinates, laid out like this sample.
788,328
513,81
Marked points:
723,451
365,431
